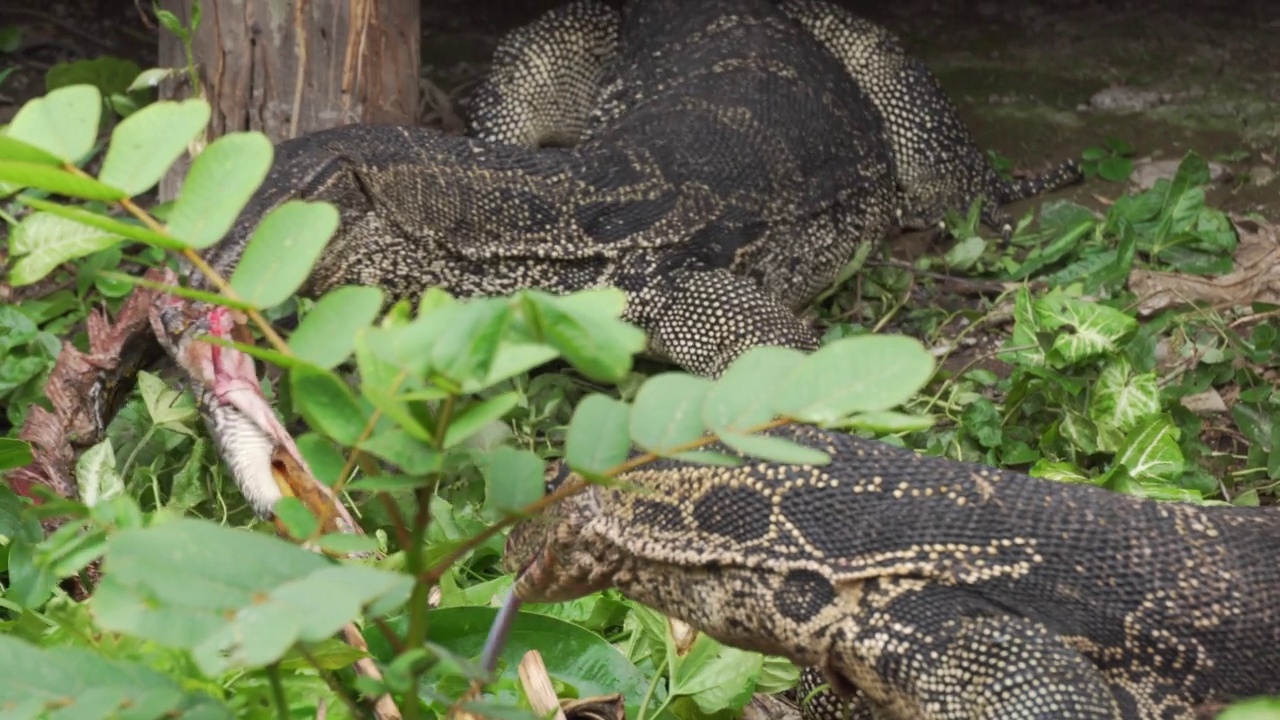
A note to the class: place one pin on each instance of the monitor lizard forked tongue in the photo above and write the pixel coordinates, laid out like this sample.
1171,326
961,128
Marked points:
261,454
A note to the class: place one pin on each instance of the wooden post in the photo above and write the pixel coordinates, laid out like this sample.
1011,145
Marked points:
290,67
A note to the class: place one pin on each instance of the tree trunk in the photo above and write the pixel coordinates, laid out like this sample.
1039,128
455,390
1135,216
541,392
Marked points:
289,68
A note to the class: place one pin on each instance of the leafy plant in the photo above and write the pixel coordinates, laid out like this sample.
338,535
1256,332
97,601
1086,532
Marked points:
1110,161
443,436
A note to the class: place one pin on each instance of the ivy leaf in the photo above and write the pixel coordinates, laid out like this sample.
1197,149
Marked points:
1120,400
96,474
42,242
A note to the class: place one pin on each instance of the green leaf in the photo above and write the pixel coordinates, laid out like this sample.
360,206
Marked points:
1093,329
585,328
1058,471
72,682
10,41
513,479
188,488
965,253
12,148
599,434
477,416
1093,154
713,675
383,385
1121,398
888,422
96,474
1253,709
511,359
103,222
230,597
667,412
146,143
57,181
405,451
14,453
30,583
327,404
165,405
1115,169
152,77
282,250
42,242
465,337
325,461
776,675
1150,452
108,74
740,399
577,659
296,518
219,184
866,373
347,544
326,337
390,483
773,449
63,122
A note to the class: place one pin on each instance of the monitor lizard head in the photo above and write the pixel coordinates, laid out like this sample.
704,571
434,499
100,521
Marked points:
560,553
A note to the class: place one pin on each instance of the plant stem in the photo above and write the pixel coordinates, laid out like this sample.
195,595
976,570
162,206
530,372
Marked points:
648,697
133,455
277,691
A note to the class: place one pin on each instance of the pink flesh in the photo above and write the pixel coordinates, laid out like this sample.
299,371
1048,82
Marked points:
230,376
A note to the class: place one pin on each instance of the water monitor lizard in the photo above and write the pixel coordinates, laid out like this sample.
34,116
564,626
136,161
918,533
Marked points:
742,174
729,170
925,588
555,80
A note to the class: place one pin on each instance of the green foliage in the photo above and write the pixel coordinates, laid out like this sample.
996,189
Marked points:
444,434
84,684
581,662
10,38
1110,161
113,77
1255,709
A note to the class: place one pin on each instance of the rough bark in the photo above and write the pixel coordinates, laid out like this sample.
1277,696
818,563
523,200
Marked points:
287,68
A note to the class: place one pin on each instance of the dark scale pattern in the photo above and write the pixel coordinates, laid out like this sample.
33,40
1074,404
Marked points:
803,594
720,169
546,77
734,512
927,588
937,165
718,231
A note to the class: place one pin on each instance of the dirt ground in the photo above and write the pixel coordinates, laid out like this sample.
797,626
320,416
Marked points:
1038,80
